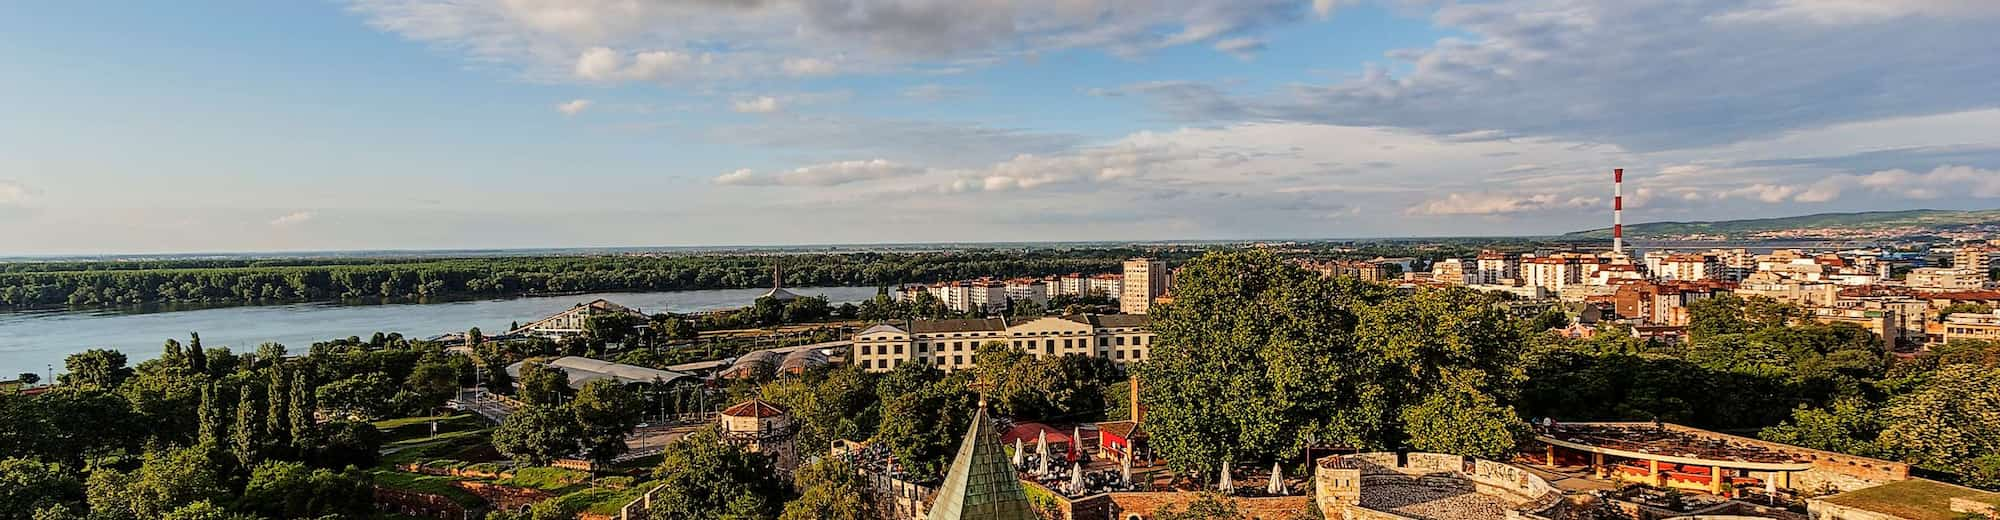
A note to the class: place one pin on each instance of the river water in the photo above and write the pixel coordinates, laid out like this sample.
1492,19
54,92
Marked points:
31,341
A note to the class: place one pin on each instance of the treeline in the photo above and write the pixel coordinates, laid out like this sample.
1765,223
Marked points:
1258,359
227,281
207,433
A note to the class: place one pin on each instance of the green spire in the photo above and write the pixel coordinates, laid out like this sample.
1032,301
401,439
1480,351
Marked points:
981,484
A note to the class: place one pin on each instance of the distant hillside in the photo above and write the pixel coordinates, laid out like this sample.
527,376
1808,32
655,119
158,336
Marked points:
1928,219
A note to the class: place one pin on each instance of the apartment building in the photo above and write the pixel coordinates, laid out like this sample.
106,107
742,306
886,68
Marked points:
1450,271
952,344
1028,290
1495,266
1964,326
1663,303
1947,279
1145,279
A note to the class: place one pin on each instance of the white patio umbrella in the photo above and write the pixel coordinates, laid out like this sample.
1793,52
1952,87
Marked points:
1277,486
1125,470
1019,453
1042,451
1228,484
1076,478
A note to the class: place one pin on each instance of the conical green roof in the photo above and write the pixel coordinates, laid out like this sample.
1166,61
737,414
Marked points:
981,484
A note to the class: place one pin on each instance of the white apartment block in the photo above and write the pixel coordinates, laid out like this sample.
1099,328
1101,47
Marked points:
1495,266
1145,279
1947,279
952,344
1109,285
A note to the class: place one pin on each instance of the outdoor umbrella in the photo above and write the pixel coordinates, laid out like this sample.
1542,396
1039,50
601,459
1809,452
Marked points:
1126,470
1277,486
1019,454
1042,452
1228,485
1076,478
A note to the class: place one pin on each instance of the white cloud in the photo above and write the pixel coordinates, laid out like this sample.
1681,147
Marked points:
1849,12
627,40
573,107
809,67
1940,182
1501,204
13,193
1605,71
292,219
829,174
757,105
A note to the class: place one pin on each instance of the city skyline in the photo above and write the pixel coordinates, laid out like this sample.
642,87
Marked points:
412,124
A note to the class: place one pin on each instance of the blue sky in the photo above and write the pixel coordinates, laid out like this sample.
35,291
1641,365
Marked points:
256,126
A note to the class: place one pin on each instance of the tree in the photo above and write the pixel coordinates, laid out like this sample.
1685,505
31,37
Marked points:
613,327
704,478
606,412
164,481
1466,423
434,383
27,485
1849,425
246,433
362,395
923,427
196,357
335,444
302,408
829,490
829,405
205,510
291,490
28,379
1208,506
537,434
1949,421
95,368
1253,356
211,431
1716,316
543,384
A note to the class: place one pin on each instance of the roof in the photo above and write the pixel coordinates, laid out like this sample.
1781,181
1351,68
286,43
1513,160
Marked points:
962,325
981,484
754,408
1029,432
1915,499
802,359
1121,429
583,370
1112,320
779,294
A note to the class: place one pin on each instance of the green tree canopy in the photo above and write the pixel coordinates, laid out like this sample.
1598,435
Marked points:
704,478
538,434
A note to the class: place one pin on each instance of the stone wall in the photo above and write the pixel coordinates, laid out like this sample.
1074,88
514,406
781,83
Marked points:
506,498
1340,481
1821,510
1835,472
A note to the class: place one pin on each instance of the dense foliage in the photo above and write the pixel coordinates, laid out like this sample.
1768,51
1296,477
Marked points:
206,433
225,281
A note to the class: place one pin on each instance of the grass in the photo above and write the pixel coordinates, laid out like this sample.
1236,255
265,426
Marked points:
419,428
434,485
554,480
607,501
442,437
1914,499
441,449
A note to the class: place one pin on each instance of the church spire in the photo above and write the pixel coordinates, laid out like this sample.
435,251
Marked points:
981,484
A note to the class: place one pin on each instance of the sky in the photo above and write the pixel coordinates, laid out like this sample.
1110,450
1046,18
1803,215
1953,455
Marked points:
159,127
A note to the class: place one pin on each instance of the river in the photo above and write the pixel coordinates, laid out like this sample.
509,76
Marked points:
31,341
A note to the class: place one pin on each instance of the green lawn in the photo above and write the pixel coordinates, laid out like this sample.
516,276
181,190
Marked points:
444,448
418,428
435,485
554,480
1914,499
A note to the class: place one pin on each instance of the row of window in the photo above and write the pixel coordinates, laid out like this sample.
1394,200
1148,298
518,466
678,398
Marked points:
958,361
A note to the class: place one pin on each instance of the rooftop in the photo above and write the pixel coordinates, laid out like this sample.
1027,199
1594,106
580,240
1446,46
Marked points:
1915,499
583,370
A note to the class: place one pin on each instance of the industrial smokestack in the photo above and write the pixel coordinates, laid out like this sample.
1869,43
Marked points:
1618,211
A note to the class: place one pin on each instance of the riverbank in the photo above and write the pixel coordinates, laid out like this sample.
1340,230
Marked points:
34,341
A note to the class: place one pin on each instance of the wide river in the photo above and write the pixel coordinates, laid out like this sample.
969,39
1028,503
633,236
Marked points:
31,341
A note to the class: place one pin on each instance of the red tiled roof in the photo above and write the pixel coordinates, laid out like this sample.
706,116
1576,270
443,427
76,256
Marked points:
754,408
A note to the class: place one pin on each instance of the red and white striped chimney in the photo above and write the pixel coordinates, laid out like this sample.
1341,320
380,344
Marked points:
1618,211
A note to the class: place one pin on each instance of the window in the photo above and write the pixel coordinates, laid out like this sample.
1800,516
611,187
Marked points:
1104,342
899,350
1121,354
1067,344
922,348
957,360
865,364
864,349
1121,341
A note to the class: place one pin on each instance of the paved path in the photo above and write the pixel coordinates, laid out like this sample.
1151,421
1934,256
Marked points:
493,407
703,366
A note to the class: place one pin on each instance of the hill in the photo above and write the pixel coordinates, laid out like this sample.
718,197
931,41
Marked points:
1909,222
